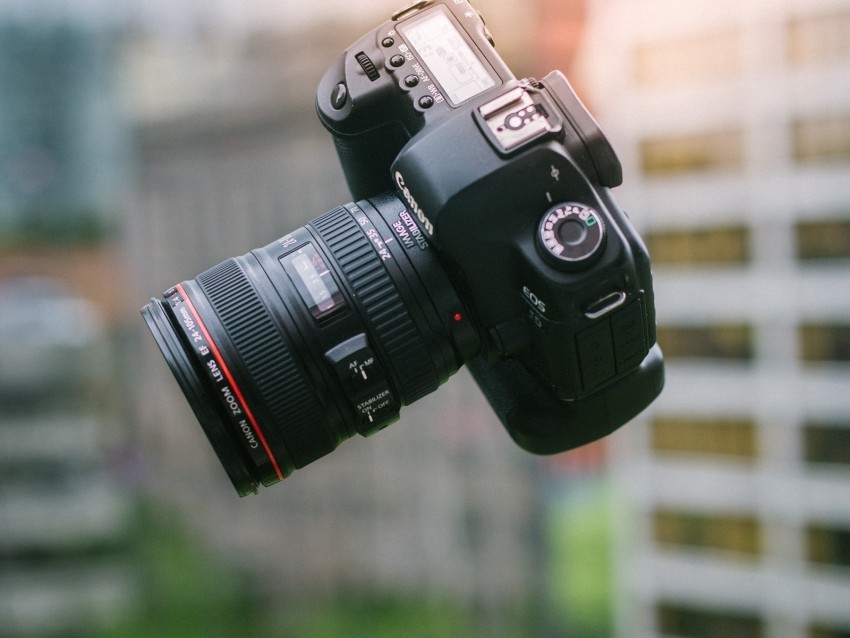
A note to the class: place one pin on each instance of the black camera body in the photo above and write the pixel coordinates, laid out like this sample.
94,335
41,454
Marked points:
509,181
484,234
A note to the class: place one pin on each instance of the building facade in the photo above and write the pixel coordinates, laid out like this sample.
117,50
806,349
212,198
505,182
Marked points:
733,123
65,518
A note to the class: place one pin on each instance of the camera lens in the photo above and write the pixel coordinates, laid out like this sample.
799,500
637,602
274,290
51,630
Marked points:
285,352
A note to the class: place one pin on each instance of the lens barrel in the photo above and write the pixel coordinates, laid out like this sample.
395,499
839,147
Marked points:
285,352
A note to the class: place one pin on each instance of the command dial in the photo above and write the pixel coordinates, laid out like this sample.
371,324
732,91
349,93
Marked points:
573,234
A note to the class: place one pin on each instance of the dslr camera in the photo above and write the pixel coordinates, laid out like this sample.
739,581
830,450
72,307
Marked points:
484,234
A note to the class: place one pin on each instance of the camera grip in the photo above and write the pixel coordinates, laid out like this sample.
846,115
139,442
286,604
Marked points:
366,159
363,118
541,424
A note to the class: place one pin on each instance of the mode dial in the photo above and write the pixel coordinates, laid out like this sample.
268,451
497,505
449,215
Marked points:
571,235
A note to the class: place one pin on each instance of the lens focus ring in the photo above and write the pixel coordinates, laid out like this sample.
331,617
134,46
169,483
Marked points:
268,361
378,296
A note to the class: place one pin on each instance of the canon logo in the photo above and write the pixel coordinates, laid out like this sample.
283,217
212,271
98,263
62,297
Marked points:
414,206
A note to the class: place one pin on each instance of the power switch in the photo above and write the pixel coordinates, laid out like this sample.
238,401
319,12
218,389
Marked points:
365,384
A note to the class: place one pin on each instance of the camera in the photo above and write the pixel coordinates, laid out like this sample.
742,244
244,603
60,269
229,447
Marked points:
484,234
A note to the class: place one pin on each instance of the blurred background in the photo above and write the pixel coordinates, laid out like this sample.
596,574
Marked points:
142,143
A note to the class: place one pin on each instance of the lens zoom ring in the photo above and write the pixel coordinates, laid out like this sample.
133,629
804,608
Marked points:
380,298
280,385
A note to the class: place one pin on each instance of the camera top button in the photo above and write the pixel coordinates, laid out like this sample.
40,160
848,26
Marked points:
368,66
397,61
339,97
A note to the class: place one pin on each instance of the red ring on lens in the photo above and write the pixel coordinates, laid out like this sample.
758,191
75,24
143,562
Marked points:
225,370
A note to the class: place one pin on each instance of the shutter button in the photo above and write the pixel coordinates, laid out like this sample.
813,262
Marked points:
339,96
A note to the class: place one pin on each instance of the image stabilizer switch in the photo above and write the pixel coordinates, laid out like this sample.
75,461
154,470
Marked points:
365,384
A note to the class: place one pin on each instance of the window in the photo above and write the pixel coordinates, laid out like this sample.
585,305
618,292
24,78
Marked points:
817,39
689,60
825,342
692,622
725,532
707,246
826,545
822,140
731,341
698,152
824,239
827,443
716,437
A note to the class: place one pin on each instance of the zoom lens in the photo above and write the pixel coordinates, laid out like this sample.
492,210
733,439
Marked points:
287,351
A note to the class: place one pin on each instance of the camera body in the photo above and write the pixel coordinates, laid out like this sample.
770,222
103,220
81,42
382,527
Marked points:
509,182
484,234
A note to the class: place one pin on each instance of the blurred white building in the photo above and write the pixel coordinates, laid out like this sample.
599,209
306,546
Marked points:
64,522
732,118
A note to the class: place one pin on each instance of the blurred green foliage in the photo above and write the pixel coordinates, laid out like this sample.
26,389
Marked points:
57,227
189,591
581,566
